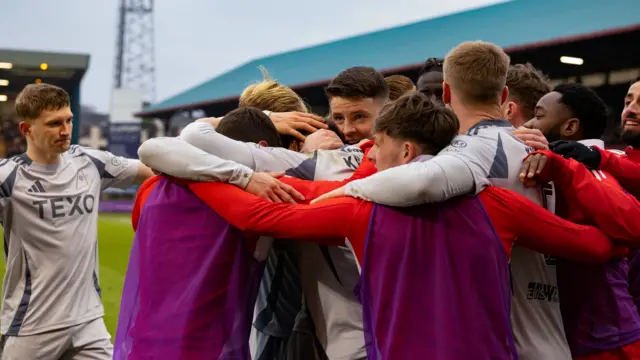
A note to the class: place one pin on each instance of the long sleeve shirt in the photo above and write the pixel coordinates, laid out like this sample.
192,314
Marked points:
201,154
593,197
625,167
332,221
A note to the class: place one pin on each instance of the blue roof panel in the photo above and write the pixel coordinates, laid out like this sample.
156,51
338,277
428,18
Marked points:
509,24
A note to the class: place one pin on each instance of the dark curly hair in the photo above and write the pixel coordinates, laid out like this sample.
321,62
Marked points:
432,64
587,106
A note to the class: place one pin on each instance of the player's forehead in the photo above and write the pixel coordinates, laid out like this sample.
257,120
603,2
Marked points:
344,106
550,102
51,115
634,90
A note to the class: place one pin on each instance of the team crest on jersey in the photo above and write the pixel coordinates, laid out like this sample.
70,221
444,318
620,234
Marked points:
117,161
81,180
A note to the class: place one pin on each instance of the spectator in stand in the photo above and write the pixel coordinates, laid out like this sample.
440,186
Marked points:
15,143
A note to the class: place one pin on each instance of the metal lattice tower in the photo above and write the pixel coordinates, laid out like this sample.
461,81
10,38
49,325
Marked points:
135,52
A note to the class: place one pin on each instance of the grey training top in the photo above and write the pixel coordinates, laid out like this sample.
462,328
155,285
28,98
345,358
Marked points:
49,216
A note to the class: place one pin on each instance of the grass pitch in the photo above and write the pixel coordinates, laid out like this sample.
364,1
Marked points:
115,236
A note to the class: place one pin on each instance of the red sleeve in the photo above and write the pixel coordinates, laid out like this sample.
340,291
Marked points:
516,217
602,202
625,170
367,167
311,189
327,222
141,198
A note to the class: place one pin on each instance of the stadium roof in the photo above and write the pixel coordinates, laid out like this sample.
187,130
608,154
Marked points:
20,68
513,25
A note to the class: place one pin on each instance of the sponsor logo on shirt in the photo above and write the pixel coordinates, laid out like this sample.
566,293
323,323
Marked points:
65,206
543,292
451,149
550,261
352,162
351,149
458,144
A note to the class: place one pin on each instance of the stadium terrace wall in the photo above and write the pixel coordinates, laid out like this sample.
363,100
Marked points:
531,29
22,67
116,206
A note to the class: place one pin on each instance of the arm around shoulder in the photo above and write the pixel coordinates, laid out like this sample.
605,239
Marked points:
177,158
434,180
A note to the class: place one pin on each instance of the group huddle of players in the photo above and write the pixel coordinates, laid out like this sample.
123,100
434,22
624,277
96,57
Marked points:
474,215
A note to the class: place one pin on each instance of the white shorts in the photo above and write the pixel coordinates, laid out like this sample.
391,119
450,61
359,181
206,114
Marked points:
88,341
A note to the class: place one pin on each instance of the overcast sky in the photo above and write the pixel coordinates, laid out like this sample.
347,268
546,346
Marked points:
198,39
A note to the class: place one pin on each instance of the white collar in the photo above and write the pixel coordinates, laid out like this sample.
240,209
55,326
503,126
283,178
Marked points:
421,158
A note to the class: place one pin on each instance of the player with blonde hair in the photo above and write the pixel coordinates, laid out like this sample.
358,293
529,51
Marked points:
271,95
278,321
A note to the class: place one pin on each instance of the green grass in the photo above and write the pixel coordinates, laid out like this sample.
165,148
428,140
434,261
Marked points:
114,237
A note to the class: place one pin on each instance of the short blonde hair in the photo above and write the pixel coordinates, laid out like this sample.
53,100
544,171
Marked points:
398,86
271,95
477,71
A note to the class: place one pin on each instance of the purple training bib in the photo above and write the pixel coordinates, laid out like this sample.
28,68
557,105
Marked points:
598,311
191,283
435,284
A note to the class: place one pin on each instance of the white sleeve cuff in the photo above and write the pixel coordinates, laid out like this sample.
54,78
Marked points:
241,177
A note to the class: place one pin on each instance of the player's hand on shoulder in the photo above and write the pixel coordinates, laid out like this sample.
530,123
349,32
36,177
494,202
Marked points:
532,166
265,185
322,140
339,192
292,123
587,155
532,137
